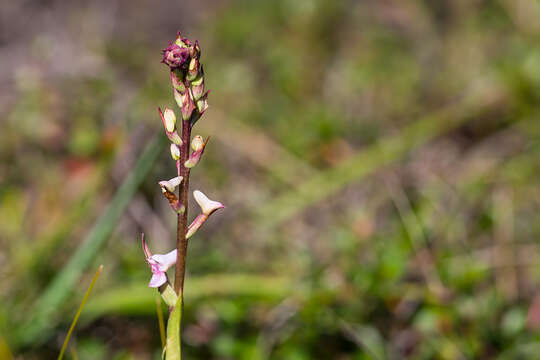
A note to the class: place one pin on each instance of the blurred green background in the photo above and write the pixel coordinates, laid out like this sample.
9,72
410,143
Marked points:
379,161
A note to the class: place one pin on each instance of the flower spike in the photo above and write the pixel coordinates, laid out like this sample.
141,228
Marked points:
183,60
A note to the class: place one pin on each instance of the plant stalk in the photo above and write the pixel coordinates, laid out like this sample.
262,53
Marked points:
181,241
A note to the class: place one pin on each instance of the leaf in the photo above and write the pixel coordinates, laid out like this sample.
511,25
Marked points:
173,348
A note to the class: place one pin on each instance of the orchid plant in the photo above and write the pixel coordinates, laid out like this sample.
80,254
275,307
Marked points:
187,78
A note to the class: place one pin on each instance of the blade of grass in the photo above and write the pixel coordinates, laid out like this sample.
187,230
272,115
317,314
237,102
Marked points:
79,310
43,314
138,299
382,153
5,353
73,352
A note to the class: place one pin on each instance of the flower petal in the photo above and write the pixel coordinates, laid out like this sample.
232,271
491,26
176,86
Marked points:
157,280
165,261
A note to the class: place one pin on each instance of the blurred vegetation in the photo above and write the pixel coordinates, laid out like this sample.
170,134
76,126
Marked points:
378,160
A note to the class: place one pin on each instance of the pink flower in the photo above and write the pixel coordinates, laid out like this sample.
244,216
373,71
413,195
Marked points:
159,264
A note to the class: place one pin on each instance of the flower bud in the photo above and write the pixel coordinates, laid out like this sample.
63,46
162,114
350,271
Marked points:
167,120
176,80
202,104
179,98
182,41
197,85
195,50
175,56
175,138
175,152
193,69
197,143
170,120
207,206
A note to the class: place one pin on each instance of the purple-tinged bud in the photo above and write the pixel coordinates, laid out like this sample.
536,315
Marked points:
187,77
175,56
175,152
198,145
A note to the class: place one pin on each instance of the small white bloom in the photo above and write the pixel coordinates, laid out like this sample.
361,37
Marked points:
207,206
171,184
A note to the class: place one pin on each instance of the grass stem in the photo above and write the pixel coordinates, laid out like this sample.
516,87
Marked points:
83,302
